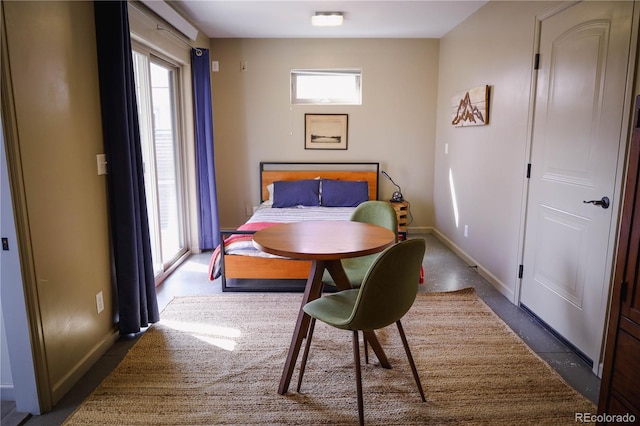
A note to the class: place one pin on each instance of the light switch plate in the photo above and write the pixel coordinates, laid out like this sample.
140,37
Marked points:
102,164
99,302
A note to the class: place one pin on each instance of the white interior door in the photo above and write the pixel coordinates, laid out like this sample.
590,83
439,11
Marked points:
577,132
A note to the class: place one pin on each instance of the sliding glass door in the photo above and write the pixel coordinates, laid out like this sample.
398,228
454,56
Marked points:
157,96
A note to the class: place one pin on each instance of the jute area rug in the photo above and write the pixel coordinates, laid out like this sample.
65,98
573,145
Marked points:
218,360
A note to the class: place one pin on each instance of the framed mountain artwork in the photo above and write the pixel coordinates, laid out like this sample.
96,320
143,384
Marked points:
471,108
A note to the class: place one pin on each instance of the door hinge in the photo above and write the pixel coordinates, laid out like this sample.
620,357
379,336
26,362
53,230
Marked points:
529,171
536,61
623,291
520,271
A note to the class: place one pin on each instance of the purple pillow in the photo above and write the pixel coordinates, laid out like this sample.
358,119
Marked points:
293,193
344,193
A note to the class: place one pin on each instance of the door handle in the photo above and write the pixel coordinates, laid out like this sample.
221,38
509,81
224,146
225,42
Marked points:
604,202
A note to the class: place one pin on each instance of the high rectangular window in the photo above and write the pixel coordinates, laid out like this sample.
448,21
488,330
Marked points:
326,87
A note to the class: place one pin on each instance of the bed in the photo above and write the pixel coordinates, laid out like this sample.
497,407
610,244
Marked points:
288,192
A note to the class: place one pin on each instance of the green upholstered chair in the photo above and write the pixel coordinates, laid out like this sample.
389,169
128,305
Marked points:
378,213
387,292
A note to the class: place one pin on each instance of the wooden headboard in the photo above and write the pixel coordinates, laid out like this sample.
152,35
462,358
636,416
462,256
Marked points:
275,171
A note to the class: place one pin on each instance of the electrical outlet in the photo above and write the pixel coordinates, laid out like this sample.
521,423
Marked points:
99,302
466,230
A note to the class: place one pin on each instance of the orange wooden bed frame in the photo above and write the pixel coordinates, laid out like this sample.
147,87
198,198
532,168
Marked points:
260,268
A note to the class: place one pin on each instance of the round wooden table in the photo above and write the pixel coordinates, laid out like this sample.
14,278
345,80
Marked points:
324,243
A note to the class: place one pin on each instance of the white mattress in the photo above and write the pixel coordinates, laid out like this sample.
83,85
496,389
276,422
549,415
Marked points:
266,213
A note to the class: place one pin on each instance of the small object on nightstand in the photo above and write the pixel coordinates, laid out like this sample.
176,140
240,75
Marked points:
397,195
402,215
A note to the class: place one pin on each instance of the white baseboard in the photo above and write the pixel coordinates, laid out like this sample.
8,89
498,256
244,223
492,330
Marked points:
484,272
419,230
7,393
65,384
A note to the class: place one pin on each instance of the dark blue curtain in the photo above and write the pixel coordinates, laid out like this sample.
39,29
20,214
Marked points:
206,178
131,246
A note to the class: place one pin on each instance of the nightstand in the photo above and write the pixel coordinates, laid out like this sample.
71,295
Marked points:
402,214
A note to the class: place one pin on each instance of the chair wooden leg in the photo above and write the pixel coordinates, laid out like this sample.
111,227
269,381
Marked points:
303,363
366,349
410,358
356,361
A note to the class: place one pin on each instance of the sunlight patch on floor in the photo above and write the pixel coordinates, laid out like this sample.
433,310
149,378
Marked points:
195,267
222,337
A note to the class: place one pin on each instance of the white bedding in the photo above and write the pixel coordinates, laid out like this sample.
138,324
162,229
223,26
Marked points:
267,214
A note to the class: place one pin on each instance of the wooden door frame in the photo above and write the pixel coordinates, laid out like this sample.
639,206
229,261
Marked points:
33,332
632,188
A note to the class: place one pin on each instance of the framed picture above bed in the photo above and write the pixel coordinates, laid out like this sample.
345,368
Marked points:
326,131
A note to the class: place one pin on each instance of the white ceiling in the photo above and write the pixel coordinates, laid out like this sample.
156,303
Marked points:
292,18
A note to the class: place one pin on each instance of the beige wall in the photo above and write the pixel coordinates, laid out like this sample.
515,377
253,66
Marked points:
254,120
487,164
54,75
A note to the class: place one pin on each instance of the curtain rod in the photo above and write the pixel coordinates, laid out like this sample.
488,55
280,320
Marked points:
161,28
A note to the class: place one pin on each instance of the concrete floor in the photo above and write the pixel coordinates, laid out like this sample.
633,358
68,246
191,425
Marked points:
444,271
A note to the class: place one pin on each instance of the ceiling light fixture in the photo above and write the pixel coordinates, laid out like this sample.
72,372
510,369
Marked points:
327,19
